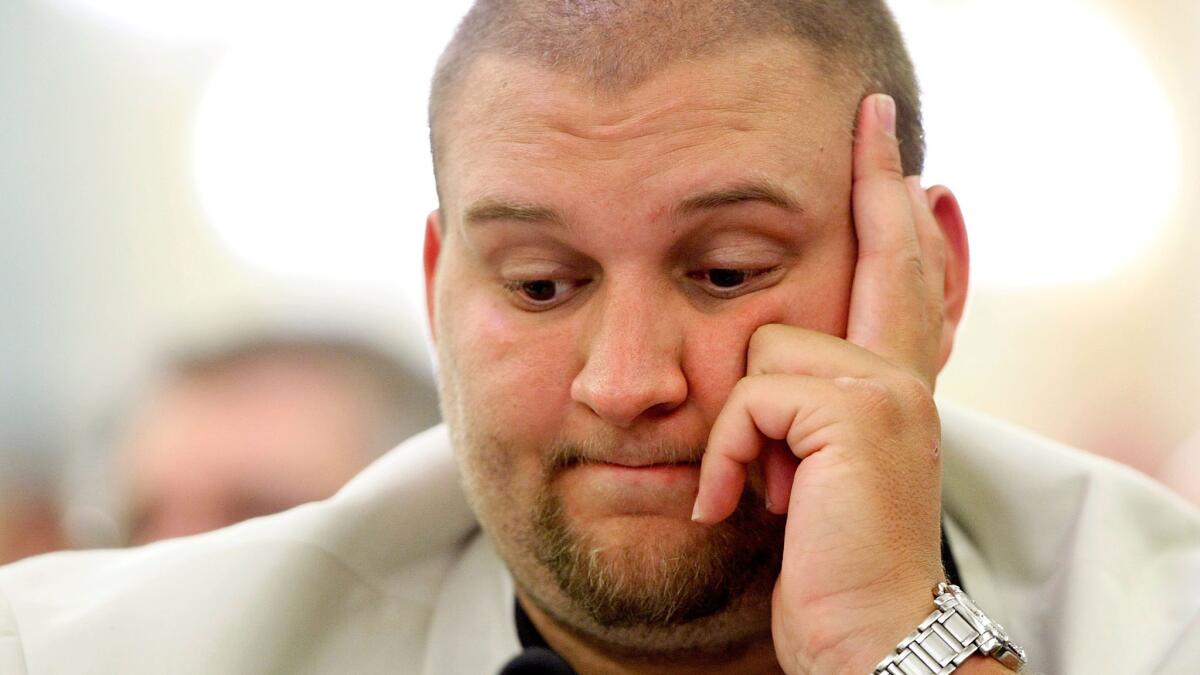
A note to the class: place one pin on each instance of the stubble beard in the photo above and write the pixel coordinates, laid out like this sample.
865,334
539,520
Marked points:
708,594
639,583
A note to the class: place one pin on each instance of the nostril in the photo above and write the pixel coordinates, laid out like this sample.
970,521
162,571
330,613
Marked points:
663,409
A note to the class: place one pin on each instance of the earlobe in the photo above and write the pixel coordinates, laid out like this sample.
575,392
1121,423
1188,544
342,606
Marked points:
949,217
433,250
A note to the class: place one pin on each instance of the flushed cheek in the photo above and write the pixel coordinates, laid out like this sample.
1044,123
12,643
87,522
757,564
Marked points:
512,368
715,359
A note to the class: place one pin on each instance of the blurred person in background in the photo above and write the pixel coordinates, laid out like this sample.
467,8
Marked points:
256,428
1181,469
29,515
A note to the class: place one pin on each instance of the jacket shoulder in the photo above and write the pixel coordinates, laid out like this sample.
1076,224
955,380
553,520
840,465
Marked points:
1075,546
351,580
12,658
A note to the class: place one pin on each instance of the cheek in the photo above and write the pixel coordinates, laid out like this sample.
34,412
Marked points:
823,296
507,374
504,395
715,358
816,295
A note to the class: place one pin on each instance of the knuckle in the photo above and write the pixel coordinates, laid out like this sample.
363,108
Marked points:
868,394
914,392
761,341
914,265
887,164
742,389
767,332
900,397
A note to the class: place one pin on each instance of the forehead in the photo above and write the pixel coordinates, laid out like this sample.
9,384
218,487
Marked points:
767,108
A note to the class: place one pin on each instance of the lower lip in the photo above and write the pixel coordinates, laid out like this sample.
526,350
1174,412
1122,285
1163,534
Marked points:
598,489
652,473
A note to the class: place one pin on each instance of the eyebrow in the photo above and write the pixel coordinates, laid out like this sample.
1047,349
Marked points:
492,210
759,191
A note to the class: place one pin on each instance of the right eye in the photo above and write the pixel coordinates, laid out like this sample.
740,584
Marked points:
542,294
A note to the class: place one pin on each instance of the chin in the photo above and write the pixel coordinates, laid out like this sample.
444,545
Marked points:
644,541
650,570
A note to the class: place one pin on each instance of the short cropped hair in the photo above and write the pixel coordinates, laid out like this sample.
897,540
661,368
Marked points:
616,44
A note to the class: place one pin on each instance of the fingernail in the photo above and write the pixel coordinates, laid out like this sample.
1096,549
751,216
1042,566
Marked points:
885,107
769,501
696,513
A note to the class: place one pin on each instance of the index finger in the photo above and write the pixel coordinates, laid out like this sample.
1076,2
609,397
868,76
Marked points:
888,301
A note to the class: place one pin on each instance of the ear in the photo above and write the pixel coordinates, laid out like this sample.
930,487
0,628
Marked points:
433,250
949,217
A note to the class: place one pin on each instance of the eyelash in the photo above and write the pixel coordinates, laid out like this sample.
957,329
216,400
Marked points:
751,276
519,288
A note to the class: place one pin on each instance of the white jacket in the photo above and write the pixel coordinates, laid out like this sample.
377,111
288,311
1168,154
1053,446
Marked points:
1090,566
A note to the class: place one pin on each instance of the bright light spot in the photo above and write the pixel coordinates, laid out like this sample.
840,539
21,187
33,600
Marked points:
1052,130
311,153
311,150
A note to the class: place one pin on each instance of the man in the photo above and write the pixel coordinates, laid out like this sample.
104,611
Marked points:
257,427
29,521
689,313
1181,469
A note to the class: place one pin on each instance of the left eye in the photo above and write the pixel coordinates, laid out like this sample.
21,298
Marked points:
542,290
727,281
725,278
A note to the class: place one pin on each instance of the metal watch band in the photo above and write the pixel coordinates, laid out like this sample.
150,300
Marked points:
949,636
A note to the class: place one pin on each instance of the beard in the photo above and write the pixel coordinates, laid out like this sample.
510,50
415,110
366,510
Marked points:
705,592
641,582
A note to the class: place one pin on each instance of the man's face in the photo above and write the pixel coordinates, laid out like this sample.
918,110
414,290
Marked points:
602,263
214,449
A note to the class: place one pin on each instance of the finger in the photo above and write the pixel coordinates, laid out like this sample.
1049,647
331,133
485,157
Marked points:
929,237
793,408
779,471
933,254
888,301
783,349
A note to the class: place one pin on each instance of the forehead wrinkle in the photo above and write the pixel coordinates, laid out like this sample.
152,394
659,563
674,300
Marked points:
655,118
497,86
529,119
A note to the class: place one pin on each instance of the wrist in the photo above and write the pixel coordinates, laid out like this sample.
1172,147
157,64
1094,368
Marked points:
855,642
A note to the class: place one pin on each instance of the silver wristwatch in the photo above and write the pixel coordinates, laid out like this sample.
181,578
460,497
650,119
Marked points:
946,638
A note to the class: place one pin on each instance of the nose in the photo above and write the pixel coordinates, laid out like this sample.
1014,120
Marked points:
632,358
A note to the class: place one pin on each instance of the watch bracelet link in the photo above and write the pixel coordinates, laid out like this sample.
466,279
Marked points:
946,638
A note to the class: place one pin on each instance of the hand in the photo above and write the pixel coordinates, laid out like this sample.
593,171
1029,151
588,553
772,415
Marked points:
862,548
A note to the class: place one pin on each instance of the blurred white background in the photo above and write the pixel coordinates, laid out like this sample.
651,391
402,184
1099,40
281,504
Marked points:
172,170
